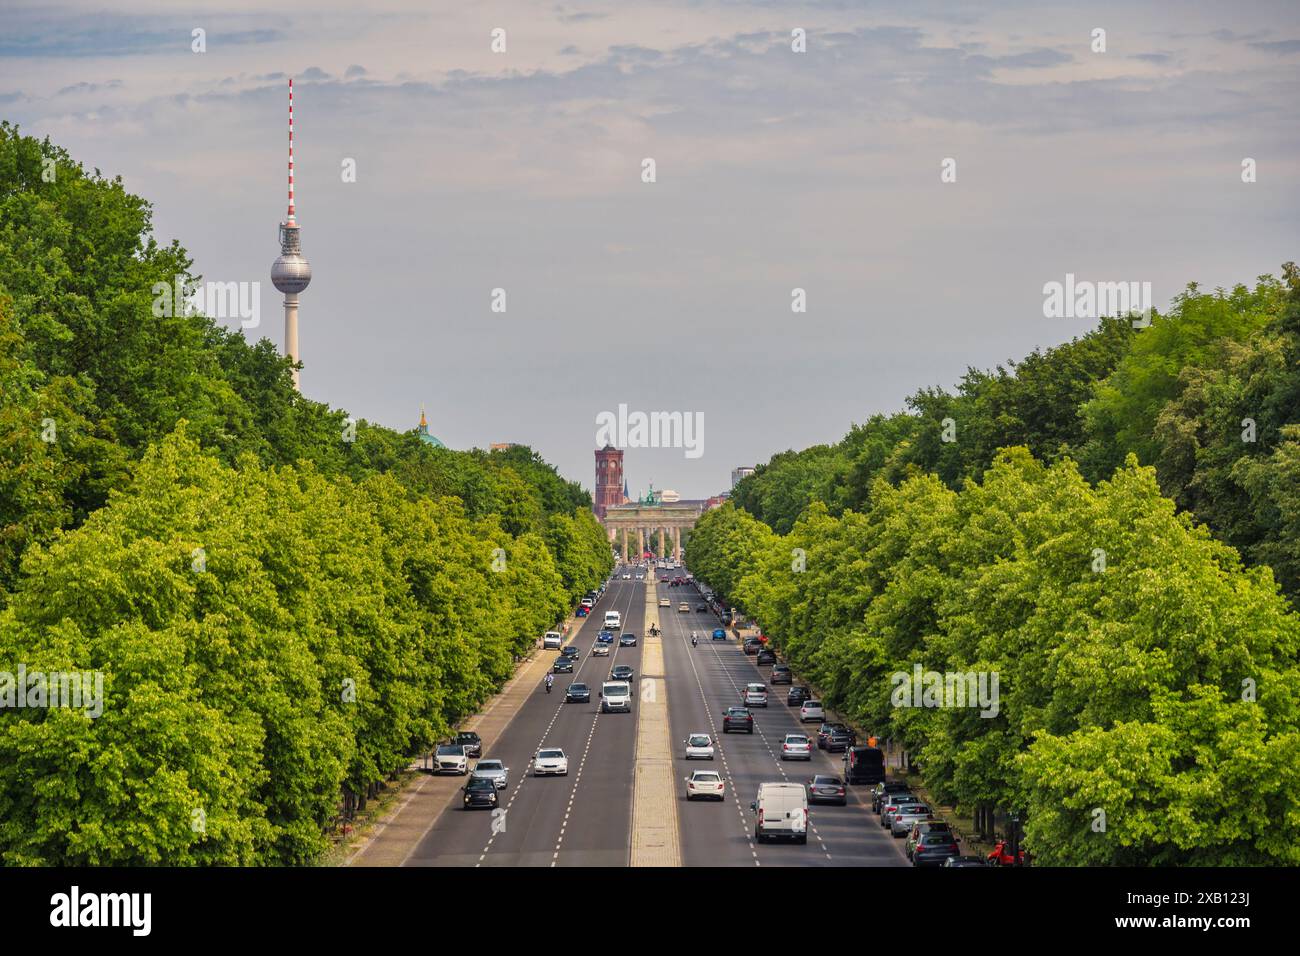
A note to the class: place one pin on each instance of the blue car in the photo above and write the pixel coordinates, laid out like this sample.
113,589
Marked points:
719,634
606,637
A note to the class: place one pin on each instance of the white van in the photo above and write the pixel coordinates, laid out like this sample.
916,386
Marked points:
782,810
615,695
552,639
614,620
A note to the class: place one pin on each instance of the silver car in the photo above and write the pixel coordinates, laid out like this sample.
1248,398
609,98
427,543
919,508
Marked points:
796,747
900,823
493,770
699,746
895,804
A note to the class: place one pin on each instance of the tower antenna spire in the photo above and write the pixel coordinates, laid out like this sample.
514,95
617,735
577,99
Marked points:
290,273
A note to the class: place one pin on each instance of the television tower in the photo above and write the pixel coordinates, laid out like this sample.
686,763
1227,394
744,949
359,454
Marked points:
290,273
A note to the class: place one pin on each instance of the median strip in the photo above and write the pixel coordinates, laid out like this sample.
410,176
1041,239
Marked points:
654,791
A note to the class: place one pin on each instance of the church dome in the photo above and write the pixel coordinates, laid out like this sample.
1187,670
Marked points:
423,432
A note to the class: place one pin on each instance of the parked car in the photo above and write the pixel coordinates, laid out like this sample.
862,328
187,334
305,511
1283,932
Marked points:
480,792
897,803
781,674
705,784
581,612
811,710
796,696
901,821
450,758
886,789
577,694
796,747
825,788
835,738
699,746
954,861
471,742
552,640
936,840
782,810
765,657
737,718
549,761
751,645
493,770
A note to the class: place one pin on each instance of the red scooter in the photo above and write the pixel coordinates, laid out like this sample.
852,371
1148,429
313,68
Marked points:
1001,855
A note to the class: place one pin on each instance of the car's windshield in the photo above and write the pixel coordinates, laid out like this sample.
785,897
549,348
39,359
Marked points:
578,688
488,765
706,776
550,754
699,740
451,750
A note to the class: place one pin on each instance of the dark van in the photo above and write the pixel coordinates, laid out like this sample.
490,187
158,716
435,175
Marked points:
864,765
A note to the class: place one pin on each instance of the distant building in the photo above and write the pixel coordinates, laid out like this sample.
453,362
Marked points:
424,432
744,471
610,484
503,445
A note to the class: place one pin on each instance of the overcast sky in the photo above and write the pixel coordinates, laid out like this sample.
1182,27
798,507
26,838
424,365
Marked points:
775,170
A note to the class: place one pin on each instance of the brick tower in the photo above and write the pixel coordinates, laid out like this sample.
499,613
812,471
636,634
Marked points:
609,479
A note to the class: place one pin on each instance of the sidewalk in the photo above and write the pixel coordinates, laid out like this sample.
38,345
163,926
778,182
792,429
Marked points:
392,839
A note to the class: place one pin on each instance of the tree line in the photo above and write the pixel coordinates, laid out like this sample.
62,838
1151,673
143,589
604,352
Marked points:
285,605
1112,535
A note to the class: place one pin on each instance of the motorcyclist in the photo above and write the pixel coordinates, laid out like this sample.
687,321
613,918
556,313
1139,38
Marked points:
550,679
694,639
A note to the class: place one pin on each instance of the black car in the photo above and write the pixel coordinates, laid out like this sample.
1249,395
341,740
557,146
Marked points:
562,665
824,788
886,788
621,672
781,674
934,847
837,741
737,719
824,732
765,657
570,651
797,696
701,609
471,742
480,792
627,639
577,694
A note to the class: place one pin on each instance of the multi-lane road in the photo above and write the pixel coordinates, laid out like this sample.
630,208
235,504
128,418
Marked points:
586,818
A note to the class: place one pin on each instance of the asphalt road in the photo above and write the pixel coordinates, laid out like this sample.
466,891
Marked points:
585,818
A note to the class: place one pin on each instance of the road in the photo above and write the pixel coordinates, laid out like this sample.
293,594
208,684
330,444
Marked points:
585,818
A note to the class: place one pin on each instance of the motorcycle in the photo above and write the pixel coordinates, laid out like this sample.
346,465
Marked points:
695,641
1001,855
549,682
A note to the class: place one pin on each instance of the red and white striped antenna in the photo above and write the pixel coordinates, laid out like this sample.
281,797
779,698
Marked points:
291,219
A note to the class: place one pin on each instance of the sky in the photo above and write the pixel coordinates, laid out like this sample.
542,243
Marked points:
775,170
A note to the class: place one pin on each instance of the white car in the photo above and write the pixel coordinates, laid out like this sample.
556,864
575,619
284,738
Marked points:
699,746
706,784
600,650
755,695
811,710
450,758
553,639
664,602
493,770
627,577
796,747
683,607
550,761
